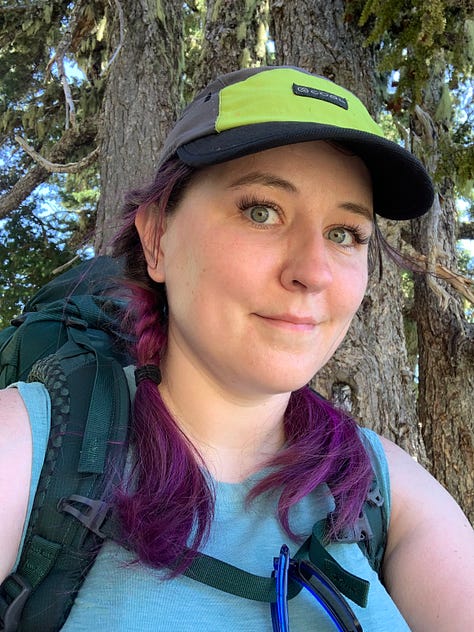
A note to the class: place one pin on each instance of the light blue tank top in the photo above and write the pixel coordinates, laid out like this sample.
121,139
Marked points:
118,596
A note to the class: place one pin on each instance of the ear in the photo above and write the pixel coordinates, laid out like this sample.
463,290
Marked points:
150,231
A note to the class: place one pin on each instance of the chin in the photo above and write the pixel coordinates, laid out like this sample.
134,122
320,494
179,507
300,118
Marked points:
278,378
281,386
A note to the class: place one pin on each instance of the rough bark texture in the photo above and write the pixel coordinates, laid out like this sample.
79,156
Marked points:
234,37
369,375
142,98
315,34
445,338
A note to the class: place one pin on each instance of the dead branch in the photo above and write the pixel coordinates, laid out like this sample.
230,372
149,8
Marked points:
70,107
462,284
68,264
69,142
58,59
52,167
121,36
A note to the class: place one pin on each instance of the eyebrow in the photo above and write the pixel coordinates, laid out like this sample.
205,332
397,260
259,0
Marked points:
271,180
358,209
268,179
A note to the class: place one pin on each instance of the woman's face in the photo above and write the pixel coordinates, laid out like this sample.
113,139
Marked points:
265,264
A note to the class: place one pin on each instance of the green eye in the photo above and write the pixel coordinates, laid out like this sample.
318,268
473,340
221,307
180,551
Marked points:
339,235
259,214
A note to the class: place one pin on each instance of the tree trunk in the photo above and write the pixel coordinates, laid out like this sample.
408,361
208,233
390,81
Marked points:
369,374
445,338
317,35
235,34
142,98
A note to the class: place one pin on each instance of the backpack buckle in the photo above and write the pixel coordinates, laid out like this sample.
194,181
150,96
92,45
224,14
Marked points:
92,515
359,532
374,497
12,612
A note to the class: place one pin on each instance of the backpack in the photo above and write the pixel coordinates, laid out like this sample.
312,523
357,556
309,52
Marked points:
68,338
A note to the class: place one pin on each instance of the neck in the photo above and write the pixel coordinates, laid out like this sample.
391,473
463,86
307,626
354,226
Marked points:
234,434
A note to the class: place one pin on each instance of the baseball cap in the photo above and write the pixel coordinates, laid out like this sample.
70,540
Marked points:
254,109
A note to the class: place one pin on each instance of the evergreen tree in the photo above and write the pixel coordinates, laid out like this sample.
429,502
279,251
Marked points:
88,89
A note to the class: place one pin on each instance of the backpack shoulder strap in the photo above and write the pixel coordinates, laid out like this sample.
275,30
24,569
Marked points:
85,457
370,532
376,511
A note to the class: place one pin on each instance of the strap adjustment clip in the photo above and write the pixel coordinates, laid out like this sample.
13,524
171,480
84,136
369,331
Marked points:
93,514
12,612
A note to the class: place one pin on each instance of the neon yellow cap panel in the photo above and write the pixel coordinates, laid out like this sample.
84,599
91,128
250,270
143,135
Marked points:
287,95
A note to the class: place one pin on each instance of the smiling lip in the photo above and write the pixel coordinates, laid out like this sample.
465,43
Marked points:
290,321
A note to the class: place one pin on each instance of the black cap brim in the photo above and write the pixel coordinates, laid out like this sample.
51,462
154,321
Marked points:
402,188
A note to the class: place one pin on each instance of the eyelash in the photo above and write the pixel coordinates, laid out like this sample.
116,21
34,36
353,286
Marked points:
244,204
360,235
247,202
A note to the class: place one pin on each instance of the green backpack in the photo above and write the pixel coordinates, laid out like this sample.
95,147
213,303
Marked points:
68,338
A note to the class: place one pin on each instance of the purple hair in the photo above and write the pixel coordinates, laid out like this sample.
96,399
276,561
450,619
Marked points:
167,514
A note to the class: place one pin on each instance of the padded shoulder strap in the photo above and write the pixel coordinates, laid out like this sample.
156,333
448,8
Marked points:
85,457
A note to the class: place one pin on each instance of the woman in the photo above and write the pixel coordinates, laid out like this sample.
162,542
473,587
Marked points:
247,258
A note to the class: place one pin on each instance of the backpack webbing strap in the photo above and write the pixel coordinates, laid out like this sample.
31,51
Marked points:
16,588
233,580
356,588
370,534
14,594
100,414
218,574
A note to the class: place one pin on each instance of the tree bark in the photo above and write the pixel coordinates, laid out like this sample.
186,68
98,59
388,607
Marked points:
445,338
369,374
234,36
142,98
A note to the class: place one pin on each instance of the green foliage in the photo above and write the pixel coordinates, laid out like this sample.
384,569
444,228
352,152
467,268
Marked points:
413,35
30,101
33,105
29,253
79,194
430,43
32,35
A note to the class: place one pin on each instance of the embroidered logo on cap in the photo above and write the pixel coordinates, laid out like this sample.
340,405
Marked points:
322,95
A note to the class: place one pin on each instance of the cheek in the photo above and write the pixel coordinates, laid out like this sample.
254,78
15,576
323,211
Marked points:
351,289
199,268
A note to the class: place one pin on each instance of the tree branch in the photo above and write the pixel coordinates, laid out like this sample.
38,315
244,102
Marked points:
463,285
54,167
58,58
70,107
21,190
121,36
66,265
69,142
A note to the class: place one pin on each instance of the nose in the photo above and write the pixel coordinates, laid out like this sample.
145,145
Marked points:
307,264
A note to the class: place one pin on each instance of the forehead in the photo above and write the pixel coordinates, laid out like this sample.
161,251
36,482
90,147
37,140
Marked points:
299,168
